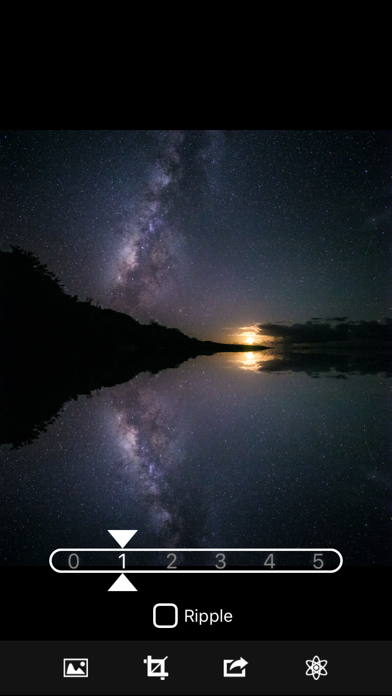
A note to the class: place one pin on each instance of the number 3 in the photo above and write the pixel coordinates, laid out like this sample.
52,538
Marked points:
222,560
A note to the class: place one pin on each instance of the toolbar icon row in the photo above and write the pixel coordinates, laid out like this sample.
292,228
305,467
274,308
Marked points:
78,667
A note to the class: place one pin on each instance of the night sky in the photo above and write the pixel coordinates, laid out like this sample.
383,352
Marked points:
229,236
212,232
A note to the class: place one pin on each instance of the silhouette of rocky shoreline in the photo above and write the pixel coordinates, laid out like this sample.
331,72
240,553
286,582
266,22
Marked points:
56,347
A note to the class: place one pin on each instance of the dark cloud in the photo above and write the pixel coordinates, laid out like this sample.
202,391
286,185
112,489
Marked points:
314,332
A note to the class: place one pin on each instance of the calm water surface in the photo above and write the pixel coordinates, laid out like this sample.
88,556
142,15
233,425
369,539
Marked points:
217,453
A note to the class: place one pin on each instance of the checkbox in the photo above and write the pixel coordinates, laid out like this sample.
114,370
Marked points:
165,615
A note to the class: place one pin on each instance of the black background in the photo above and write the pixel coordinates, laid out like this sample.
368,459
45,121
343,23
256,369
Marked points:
278,623
351,604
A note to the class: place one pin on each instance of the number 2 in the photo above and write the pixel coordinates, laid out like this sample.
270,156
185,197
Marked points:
171,566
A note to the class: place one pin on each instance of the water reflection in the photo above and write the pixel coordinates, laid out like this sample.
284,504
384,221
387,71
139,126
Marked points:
253,360
215,453
317,362
147,428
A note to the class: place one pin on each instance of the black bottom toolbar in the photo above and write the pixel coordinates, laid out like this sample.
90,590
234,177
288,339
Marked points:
203,667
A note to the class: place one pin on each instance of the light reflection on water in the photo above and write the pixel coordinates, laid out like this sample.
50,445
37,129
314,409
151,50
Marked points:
252,360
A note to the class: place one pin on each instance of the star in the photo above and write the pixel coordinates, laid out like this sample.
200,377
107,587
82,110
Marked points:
316,668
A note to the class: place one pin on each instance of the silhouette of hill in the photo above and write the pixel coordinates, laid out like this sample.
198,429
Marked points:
56,347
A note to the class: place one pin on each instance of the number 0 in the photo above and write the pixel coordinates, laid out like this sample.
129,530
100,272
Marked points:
77,561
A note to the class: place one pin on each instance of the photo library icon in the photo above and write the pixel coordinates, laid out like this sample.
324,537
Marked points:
75,667
316,668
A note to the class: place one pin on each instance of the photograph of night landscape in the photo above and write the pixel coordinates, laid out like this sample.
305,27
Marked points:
196,341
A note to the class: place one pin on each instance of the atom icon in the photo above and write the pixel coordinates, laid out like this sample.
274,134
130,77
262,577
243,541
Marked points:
316,668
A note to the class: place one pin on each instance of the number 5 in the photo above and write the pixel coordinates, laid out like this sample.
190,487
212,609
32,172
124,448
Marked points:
317,560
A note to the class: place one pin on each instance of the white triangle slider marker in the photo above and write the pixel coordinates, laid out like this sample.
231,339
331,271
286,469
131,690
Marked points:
122,536
122,584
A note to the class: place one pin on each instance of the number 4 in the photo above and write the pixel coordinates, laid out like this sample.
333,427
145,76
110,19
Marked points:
270,562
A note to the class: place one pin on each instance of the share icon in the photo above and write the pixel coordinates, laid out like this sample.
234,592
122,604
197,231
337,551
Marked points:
237,668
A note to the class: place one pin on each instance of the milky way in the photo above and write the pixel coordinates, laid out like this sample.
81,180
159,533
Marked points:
145,423
150,252
206,231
